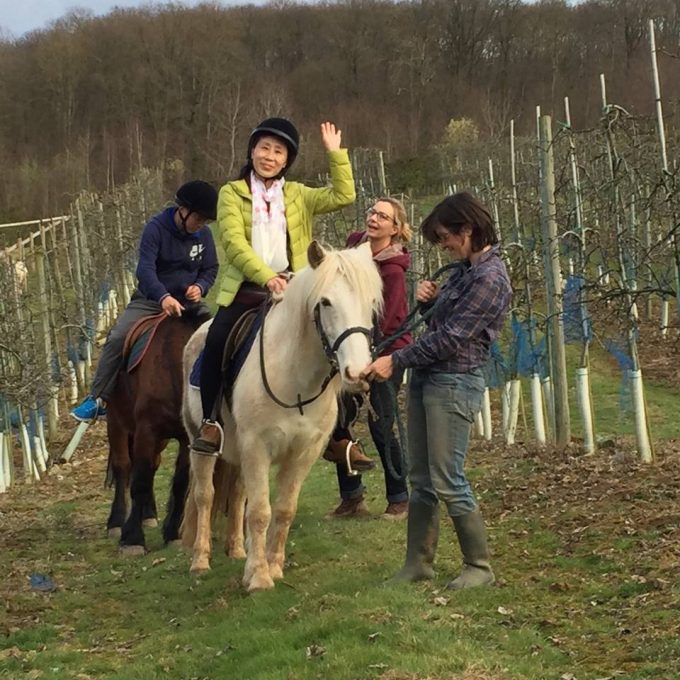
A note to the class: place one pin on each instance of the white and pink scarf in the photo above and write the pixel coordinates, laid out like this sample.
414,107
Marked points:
269,233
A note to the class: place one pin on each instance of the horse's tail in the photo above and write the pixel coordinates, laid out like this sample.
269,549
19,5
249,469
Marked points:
108,481
110,478
224,478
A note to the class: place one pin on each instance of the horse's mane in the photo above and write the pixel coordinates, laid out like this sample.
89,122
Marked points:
353,265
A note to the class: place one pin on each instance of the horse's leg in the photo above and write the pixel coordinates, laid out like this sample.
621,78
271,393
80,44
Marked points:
145,449
255,471
150,511
202,468
119,461
293,470
234,544
178,492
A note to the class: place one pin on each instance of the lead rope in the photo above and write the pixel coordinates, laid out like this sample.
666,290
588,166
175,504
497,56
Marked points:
410,324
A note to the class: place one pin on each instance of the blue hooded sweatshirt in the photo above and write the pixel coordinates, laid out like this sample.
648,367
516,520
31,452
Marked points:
171,260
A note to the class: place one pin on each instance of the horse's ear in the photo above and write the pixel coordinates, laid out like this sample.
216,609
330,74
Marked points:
315,254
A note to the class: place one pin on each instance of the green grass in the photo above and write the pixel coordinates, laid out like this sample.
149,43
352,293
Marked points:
566,601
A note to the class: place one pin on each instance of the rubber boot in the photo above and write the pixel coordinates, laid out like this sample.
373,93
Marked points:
422,536
472,539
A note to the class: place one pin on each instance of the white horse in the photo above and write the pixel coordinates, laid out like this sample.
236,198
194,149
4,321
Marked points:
314,343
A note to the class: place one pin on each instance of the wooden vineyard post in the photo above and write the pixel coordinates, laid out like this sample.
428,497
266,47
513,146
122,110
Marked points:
553,279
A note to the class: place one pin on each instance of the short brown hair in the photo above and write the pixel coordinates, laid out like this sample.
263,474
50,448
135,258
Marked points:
455,213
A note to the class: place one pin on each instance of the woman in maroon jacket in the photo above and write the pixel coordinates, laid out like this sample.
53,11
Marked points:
386,231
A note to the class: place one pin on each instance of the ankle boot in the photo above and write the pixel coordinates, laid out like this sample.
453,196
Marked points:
337,452
209,440
472,539
421,542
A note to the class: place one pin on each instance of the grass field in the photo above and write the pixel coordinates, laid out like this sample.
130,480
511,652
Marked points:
586,548
587,551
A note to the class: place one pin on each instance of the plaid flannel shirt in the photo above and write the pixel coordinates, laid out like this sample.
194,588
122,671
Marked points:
469,314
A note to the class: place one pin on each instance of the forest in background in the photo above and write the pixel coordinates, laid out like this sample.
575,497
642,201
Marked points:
91,100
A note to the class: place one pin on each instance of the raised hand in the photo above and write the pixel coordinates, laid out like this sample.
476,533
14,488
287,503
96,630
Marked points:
331,136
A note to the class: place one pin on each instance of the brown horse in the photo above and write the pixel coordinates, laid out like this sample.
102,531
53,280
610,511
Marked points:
144,413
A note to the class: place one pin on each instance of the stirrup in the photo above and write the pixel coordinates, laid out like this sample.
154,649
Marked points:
205,452
350,470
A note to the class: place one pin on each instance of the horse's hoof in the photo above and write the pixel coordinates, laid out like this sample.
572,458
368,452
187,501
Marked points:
150,522
114,532
237,553
199,567
132,550
258,583
276,572
176,543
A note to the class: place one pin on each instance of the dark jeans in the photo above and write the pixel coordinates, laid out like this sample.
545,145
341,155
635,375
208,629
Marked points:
382,433
211,365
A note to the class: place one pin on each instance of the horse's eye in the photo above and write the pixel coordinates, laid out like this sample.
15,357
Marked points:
325,302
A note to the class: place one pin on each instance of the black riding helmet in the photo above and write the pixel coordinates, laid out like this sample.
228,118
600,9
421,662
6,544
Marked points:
199,197
281,128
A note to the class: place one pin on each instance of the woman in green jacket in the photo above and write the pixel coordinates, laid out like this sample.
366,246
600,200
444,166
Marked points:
265,226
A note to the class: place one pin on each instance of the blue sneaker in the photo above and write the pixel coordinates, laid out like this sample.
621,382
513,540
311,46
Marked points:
90,409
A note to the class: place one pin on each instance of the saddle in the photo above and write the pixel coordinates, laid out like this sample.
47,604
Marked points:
139,338
238,344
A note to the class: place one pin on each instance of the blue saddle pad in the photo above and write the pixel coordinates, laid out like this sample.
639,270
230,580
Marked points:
137,350
235,363
195,375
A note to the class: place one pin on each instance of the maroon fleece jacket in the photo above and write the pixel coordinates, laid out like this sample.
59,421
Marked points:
392,263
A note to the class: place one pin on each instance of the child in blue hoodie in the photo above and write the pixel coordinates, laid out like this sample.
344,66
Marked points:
177,266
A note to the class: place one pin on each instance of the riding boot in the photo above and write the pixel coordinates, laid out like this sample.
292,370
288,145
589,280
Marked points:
336,452
421,542
209,440
472,539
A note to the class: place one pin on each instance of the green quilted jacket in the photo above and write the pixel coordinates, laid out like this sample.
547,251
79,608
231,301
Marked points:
234,216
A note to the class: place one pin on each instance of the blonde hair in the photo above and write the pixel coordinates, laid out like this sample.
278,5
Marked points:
404,232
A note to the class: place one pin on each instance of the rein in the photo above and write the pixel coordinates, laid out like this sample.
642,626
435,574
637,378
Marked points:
409,324
330,350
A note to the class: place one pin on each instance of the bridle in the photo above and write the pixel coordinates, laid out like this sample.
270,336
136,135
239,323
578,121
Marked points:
330,350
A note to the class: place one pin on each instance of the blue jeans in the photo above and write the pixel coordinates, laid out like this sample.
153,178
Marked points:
441,409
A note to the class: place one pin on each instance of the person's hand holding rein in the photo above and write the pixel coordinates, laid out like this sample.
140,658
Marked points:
171,306
427,291
193,293
277,284
331,136
381,369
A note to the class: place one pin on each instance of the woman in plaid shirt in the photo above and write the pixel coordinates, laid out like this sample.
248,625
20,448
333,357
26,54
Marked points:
447,384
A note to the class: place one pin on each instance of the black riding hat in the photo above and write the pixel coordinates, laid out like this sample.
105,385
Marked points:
200,197
281,128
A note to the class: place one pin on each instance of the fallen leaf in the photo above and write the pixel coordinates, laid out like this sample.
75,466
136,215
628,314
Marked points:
315,651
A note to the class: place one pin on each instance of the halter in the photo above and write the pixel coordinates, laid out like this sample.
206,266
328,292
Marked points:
330,350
